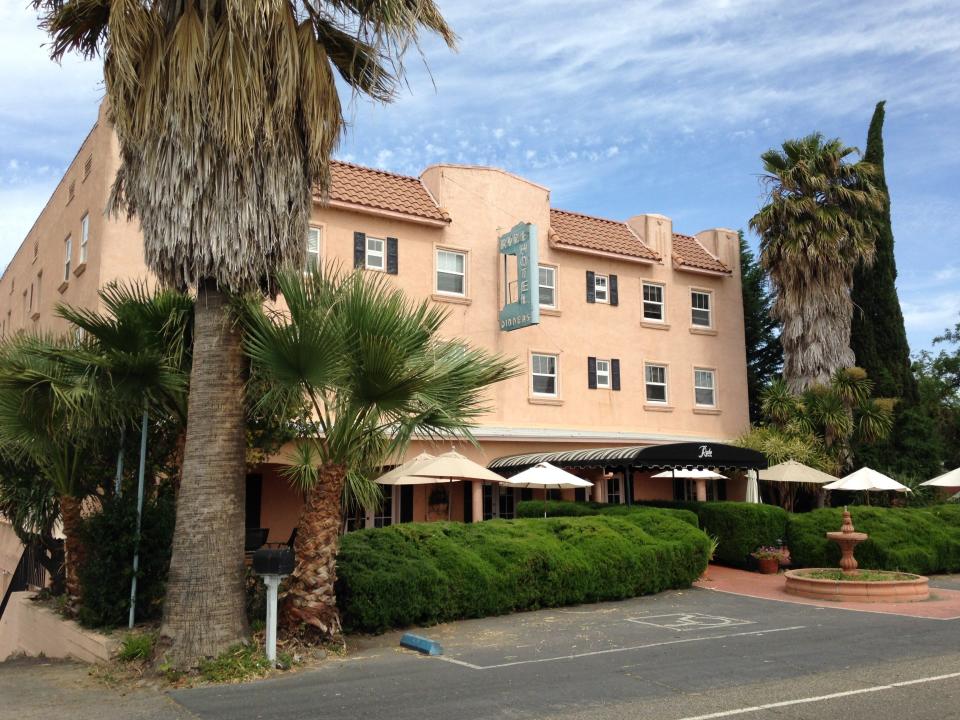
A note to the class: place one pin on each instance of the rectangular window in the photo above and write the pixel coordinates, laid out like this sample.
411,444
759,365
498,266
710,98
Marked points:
548,286
704,387
656,382
506,502
68,254
374,258
543,369
451,272
313,249
603,374
84,236
700,304
653,302
613,490
383,516
600,293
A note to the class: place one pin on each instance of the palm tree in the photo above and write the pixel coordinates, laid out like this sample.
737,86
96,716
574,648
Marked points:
226,112
814,230
375,373
48,412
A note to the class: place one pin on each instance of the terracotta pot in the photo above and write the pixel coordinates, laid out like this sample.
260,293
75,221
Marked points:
768,566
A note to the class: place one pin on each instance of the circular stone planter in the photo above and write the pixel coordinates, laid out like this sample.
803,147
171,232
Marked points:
853,590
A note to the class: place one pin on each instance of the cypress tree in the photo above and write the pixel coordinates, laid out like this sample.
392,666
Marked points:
762,334
878,337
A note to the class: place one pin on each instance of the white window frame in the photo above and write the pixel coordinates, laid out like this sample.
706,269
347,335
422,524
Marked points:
84,236
661,303
605,384
555,375
462,275
597,278
647,383
712,387
310,253
68,257
369,253
552,269
618,494
709,309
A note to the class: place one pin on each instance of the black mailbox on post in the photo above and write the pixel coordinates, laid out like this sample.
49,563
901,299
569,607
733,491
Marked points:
273,561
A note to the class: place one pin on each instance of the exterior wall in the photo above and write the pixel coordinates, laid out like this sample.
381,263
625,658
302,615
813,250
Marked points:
10,551
31,629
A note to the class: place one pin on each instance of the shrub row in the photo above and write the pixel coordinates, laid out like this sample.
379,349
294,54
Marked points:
563,508
421,573
921,540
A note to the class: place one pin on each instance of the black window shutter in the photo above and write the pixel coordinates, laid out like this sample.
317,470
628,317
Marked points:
615,374
614,297
591,288
359,249
392,258
406,503
592,373
467,502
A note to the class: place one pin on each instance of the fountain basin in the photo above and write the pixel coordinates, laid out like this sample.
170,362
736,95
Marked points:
901,587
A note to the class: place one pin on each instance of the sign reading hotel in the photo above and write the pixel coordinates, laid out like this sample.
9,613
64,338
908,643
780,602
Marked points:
521,282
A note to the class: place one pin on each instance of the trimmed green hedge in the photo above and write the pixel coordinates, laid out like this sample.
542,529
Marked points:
421,573
562,508
916,540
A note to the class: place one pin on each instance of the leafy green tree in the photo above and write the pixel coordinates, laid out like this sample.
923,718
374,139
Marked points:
226,112
878,337
764,354
815,228
375,371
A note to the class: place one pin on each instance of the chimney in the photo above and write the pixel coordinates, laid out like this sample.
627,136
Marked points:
655,231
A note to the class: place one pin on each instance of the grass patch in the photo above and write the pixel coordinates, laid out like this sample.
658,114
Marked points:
238,663
137,646
861,576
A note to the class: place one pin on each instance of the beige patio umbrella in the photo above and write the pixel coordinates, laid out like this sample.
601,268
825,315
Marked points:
548,477
792,471
869,480
451,467
397,475
948,479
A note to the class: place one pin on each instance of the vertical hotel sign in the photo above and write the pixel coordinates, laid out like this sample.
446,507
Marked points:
521,296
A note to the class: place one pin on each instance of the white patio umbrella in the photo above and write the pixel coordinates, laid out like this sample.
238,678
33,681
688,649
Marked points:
450,467
753,488
869,480
548,477
948,479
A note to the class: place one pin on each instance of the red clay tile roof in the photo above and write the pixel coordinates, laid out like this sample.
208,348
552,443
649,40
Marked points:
382,190
688,252
595,233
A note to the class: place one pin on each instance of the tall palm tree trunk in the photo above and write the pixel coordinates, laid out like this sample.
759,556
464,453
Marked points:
310,601
204,608
74,554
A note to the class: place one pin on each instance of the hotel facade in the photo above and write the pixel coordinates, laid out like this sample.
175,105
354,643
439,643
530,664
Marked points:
640,338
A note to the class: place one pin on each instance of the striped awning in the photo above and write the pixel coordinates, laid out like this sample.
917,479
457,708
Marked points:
674,455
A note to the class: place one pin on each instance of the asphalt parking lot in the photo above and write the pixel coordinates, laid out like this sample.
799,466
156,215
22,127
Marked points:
675,656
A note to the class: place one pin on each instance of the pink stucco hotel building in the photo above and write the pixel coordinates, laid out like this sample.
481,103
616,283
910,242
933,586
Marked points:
640,340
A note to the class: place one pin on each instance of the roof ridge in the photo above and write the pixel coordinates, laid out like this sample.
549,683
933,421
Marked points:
377,170
589,217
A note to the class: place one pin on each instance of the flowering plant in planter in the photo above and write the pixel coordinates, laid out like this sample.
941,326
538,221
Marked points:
768,552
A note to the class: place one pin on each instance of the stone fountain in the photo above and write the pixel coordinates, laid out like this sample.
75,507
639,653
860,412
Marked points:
881,586
847,539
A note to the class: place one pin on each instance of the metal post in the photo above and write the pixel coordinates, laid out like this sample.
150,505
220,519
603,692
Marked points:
136,542
272,582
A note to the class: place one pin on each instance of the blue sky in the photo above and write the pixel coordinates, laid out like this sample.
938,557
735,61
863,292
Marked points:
618,107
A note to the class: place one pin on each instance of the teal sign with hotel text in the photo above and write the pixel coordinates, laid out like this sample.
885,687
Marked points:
521,281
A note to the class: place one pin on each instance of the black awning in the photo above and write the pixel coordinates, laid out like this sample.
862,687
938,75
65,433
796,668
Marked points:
675,455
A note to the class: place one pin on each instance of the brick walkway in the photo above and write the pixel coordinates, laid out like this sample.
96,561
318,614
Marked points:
942,605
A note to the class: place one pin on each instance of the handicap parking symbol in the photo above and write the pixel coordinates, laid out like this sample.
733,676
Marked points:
689,621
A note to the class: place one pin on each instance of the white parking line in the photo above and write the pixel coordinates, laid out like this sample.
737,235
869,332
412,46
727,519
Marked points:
574,656
820,698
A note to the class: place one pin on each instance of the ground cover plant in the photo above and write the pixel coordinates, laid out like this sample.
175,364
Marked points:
422,573
564,508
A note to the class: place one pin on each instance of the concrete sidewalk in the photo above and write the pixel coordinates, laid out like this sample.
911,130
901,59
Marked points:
944,604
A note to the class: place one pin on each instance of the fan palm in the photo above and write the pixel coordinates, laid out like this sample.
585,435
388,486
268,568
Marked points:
814,230
226,112
375,373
